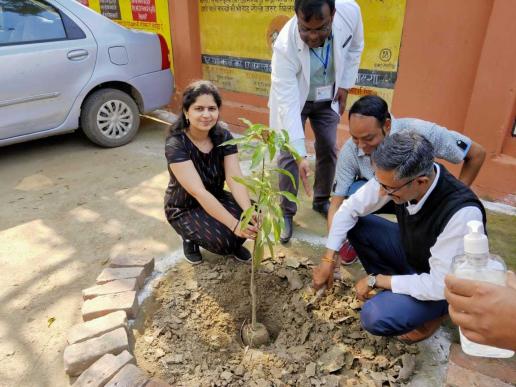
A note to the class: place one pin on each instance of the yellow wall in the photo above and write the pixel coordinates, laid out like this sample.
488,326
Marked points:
146,15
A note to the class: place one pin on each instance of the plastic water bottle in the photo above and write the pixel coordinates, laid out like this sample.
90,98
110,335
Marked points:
479,265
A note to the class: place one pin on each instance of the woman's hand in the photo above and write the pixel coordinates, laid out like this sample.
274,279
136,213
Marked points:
256,221
248,232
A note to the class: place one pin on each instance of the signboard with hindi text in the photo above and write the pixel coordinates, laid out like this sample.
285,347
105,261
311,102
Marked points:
146,15
237,37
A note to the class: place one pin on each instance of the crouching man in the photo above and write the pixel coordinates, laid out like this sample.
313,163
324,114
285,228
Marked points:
409,259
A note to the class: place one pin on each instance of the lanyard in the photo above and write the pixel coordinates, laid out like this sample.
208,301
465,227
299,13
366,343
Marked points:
321,58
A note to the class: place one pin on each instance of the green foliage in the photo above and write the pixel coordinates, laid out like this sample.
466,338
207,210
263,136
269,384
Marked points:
263,144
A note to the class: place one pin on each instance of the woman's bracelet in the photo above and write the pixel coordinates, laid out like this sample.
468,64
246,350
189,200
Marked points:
236,225
329,260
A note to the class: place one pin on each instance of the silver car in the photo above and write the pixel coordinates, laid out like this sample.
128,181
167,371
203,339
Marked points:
63,66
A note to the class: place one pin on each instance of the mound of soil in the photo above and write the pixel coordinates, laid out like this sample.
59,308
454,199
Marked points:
191,336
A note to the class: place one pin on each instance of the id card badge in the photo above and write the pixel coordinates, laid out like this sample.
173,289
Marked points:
324,93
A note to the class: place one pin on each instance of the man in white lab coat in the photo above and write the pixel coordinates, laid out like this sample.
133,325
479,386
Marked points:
314,64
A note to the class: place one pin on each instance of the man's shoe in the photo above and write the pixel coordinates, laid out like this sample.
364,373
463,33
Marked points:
423,332
347,254
192,252
241,254
286,233
322,208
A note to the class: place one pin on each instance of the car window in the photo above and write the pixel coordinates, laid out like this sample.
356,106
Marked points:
29,21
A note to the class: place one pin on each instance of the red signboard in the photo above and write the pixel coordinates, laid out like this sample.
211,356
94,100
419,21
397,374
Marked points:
144,10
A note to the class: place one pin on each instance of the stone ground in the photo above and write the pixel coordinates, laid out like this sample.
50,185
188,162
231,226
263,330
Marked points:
191,336
69,207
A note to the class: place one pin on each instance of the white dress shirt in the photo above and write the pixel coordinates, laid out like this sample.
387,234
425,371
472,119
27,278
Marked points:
450,243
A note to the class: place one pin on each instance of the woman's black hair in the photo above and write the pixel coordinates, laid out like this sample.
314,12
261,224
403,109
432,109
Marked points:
312,8
371,106
190,95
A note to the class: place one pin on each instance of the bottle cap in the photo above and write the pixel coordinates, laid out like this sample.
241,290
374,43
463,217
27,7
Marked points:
475,241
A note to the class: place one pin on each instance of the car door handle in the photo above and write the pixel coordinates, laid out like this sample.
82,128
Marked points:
77,54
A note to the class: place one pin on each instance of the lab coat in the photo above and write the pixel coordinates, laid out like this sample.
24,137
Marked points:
290,77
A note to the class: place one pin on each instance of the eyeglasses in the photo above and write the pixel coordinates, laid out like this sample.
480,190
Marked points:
325,28
392,190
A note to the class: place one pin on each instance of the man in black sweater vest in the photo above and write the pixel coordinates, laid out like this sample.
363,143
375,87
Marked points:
409,259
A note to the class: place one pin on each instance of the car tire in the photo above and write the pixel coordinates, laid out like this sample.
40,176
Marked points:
110,118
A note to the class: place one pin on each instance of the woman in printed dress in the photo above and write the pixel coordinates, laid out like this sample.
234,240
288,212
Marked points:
196,204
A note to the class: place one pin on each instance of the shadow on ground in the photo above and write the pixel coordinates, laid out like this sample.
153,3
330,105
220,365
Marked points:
68,207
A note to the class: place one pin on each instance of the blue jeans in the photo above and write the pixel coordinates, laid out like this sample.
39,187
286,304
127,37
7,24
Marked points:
355,186
377,242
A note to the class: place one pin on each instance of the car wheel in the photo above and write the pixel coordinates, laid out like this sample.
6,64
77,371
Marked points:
110,118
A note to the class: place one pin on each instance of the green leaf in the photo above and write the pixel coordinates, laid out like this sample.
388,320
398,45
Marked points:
285,135
258,156
246,121
266,225
289,196
278,226
246,217
257,128
258,185
272,151
286,173
246,182
292,151
273,135
234,141
50,321
276,210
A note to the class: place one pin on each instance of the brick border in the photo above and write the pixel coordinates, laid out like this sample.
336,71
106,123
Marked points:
98,350
465,370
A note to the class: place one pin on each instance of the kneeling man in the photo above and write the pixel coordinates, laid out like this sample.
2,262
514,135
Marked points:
409,259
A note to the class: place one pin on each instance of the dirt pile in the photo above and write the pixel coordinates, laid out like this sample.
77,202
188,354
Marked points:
193,335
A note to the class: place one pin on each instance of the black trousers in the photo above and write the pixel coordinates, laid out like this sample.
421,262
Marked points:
324,121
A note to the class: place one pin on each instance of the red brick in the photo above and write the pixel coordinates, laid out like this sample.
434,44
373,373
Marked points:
133,261
103,370
111,274
78,357
116,286
465,370
102,305
97,327
457,376
129,376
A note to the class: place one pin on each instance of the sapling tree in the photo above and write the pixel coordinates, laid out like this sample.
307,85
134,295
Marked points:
262,143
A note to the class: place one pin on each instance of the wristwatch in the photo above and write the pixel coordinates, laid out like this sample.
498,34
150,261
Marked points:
371,281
